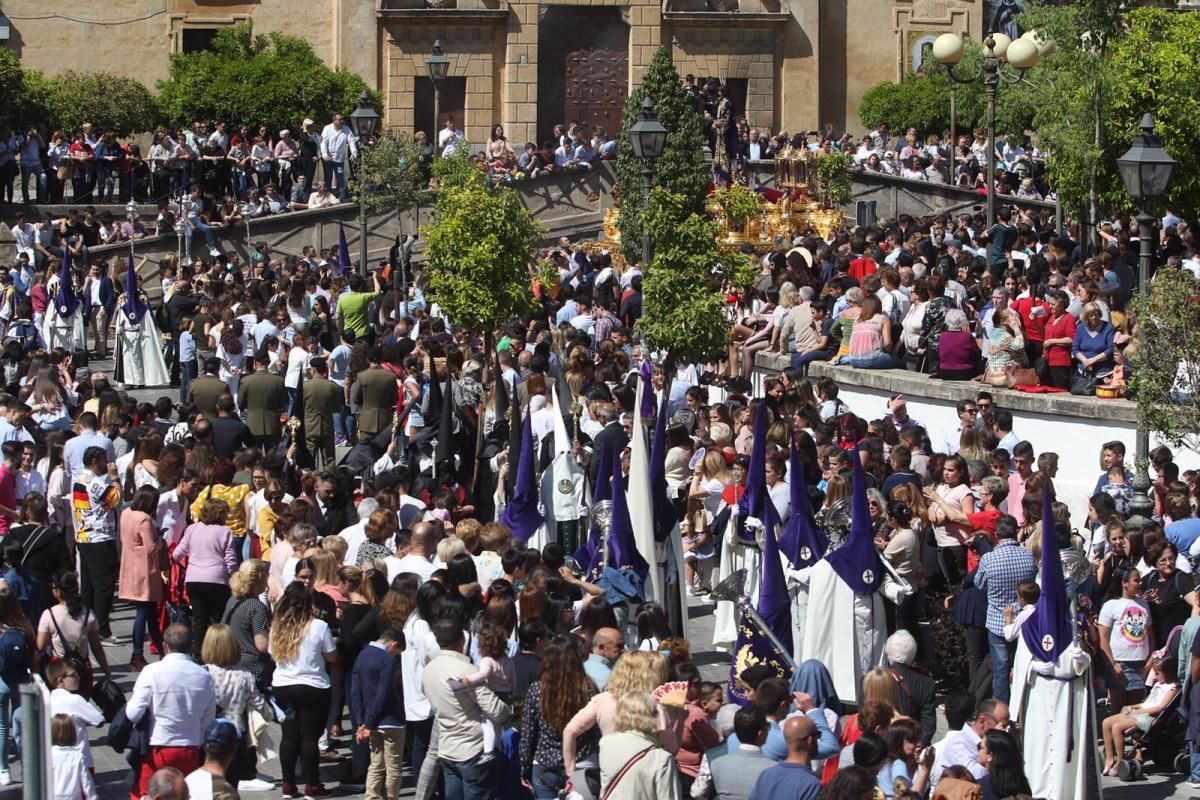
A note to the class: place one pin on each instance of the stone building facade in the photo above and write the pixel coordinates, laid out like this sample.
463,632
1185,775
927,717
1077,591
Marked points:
791,64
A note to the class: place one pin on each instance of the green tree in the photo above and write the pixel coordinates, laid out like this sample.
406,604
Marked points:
681,169
389,175
478,251
109,102
12,85
684,289
1166,373
271,79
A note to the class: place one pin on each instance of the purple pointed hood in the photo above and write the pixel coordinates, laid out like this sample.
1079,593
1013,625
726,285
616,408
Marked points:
756,483
1048,633
857,561
665,515
802,541
133,308
66,301
521,515
621,544
343,250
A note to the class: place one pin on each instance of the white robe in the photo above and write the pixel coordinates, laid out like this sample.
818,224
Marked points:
832,607
797,581
64,332
139,352
735,556
1048,710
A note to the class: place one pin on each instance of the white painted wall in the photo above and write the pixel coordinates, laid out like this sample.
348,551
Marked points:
1077,440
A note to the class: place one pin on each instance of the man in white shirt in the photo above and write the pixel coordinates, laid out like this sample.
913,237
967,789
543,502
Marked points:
172,515
26,236
412,553
449,137
356,534
337,142
181,699
962,748
967,414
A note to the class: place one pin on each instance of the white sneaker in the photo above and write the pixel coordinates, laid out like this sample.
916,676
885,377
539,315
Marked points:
5,778
256,785
691,592
214,252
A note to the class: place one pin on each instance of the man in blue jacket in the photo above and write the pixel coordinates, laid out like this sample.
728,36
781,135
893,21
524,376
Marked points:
377,702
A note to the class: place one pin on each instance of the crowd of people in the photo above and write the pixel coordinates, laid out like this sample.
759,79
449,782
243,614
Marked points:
392,607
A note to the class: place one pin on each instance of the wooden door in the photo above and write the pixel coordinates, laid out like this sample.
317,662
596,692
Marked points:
596,80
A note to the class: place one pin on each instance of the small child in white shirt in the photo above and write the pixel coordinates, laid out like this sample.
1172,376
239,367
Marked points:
71,777
1028,594
65,700
496,672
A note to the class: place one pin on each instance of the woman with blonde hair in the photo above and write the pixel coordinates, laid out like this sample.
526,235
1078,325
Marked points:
633,763
302,645
636,671
447,549
208,547
236,694
248,617
880,684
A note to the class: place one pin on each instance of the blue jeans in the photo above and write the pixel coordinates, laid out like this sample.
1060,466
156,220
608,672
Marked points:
548,782
801,360
41,184
343,423
880,360
187,374
1194,756
471,780
202,226
1002,652
293,397
335,179
146,614
9,697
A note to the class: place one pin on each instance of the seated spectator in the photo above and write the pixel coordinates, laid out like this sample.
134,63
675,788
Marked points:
958,352
1141,715
1094,342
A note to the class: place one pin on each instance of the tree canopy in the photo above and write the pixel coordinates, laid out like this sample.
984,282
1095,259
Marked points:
681,169
1113,61
478,249
1166,374
389,174
268,79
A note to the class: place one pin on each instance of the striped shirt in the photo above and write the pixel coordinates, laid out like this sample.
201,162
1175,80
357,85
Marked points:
95,499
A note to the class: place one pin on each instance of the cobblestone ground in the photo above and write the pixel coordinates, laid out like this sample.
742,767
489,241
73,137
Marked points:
112,771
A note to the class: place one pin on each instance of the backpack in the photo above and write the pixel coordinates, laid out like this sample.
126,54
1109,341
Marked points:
14,656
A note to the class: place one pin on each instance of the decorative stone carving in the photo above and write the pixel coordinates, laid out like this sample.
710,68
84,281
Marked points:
723,6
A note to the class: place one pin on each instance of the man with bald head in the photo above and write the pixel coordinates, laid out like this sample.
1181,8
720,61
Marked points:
167,783
413,550
607,646
792,778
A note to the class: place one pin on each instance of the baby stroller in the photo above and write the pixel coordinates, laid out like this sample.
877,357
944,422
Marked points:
1162,742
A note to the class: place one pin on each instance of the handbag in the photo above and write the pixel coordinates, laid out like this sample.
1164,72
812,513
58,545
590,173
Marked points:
1020,376
65,171
1084,384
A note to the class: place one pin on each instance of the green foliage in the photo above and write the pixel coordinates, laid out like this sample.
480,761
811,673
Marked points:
388,175
271,79
738,202
681,169
12,85
684,288
109,102
833,179
1166,373
477,251
923,101
457,169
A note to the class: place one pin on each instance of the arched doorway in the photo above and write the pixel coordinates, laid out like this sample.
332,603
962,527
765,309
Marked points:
583,68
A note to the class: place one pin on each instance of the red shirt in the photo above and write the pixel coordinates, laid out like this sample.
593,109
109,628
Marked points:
1059,355
981,521
8,495
862,267
1035,327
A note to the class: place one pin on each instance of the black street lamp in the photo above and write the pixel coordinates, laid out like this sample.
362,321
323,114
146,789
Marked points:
1146,170
1022,54
438,65
364,121
648,138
